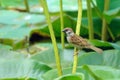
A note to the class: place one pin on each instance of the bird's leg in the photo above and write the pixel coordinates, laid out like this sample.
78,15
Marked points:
76,52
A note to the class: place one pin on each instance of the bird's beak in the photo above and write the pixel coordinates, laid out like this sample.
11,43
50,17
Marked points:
63,30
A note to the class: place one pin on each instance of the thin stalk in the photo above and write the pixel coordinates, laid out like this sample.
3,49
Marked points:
104,24
101,16
111,34
75,61
45,8
99,13
62,24
90,21
27,5
78,27
104,30
0,3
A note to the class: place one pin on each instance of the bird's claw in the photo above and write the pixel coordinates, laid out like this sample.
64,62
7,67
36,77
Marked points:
76,53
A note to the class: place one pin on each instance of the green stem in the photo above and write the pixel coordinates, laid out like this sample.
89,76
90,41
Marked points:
78,27
90,22
99,13
44,4
27,5
104,24
0,3
111,34
104,30
62,24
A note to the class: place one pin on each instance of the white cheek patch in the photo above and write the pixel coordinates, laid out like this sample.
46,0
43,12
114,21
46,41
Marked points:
69,33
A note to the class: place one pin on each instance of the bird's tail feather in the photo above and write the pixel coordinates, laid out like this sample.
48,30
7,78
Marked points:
98,50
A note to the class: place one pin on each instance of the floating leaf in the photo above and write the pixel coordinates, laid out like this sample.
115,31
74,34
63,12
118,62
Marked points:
22,69
52,74
47,55
108,58
77,76
103,72
2,46
14,17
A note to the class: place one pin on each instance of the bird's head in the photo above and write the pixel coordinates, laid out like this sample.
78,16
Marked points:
68,31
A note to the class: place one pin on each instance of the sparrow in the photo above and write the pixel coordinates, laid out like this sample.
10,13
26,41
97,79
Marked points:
78,41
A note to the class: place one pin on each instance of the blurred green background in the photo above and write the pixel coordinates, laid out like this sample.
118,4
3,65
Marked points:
26,51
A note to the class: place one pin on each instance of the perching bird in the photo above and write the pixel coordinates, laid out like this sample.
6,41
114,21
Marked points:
78,41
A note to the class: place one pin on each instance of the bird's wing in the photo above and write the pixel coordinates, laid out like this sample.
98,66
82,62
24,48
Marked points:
77,40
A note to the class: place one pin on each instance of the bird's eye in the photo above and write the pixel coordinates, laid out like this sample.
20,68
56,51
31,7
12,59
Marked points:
66,30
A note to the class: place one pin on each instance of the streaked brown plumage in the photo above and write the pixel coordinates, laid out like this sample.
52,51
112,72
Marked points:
78,41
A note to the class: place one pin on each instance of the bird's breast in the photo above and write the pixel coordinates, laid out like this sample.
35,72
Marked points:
68,39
